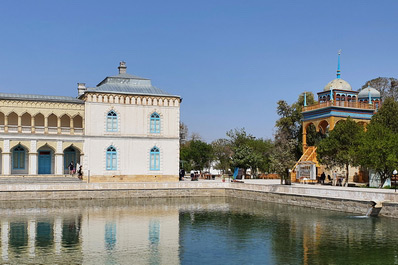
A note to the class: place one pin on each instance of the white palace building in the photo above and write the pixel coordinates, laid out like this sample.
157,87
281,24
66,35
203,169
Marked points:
124,129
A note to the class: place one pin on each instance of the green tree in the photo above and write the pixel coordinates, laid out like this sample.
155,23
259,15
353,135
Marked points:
248,151
196,154
244,157
282,156
289,125
288,137
263,148
222,154
379,150
340,148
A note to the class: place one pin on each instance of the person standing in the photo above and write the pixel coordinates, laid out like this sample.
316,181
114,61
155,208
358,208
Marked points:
80,173
71,167
334,178
323,177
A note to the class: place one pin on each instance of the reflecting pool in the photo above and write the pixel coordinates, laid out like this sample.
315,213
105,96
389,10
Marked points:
189,231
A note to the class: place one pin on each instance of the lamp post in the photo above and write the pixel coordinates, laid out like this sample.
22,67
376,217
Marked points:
394,174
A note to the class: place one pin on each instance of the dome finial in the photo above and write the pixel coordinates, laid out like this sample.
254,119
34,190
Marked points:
338,64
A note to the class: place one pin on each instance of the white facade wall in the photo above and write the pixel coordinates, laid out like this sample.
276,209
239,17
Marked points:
133,140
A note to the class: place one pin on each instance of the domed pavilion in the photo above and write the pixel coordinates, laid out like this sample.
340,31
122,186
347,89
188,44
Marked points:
336,102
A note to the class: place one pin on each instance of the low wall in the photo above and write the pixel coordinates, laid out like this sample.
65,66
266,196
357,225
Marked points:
354,200
334,204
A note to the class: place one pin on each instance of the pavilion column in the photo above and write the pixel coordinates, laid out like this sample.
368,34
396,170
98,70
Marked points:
32,124
59,159
331,123
5,123
19,124
46,124
59,125
33,158
304,140
6,158
72,129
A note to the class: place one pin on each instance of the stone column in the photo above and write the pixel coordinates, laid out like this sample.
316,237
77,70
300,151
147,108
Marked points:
59,159
46,124
5,123
32,238
57,228
6,156
5,230
32,124
59,130
72,129
19,124
33,158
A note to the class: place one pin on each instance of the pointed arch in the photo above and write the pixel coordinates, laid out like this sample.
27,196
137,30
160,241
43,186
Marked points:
112,121
45,159
52,120
78,122
39,120
65,121
111,158
154,158
12,119
71,154
155,122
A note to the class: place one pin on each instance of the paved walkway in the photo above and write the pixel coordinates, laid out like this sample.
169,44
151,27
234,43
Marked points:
38,180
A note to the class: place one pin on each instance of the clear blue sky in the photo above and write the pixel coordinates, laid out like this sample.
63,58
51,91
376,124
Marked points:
231,61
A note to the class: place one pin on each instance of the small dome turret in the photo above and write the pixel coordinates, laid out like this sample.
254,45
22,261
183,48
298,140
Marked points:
338,83
364,93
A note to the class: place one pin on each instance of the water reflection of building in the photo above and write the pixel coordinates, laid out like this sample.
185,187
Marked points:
29,238
103,232
150,235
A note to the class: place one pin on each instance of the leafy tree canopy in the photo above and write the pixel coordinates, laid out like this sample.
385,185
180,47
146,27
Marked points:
379,150
340,148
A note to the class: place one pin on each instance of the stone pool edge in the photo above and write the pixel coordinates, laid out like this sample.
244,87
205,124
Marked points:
353,200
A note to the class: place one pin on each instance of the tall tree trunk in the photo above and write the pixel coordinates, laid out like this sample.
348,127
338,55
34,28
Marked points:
346,175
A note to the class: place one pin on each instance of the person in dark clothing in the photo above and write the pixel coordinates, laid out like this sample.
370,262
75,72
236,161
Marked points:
323,177
71,167
80,173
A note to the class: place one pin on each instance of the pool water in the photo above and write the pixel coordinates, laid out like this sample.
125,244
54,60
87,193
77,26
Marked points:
190,231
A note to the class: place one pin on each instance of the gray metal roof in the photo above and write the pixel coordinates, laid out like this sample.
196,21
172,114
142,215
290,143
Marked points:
129,89
30,97
128,84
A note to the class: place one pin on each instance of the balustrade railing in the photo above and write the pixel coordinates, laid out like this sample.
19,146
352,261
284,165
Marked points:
40,129
347,104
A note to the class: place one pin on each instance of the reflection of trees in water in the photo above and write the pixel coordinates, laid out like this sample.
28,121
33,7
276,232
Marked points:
298,234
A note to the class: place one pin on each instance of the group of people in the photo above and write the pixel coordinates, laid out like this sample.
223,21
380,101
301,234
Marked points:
72,169
336,181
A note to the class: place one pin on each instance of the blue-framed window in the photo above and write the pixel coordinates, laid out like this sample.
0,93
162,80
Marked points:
111,121
111,158
154,161
18,158
155,123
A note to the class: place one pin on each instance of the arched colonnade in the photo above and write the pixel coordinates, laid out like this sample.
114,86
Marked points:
39,123
38,157
326,125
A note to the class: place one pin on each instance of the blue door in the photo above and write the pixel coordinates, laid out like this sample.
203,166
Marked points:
44,162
